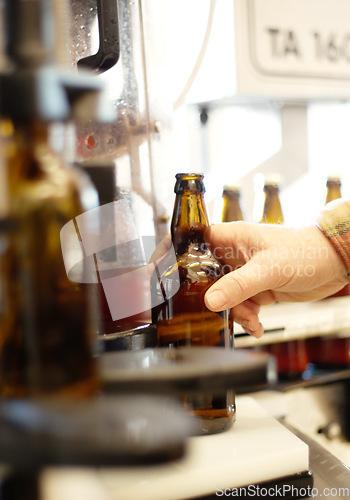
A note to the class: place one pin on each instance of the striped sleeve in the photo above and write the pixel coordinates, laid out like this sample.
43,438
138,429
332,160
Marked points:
334,222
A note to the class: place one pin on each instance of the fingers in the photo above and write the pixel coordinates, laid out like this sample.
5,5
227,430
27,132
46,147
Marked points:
264,298
225,234
238,286
246,314
161,250
158,254
246,317
256,333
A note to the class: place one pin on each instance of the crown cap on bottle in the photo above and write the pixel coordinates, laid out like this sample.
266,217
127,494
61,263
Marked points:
273,179
333,178
189,182
233,190
231,187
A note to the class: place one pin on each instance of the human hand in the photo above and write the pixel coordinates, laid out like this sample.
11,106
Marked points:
268,263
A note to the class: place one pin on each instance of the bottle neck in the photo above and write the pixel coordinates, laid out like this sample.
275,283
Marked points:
231,207
333,191
28,151
272,213
189,221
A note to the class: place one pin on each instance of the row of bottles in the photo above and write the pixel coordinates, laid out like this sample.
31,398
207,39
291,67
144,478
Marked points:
291,356
294,356
331,352
271,210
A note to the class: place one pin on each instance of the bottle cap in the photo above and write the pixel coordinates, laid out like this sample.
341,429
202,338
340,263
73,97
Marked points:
189,182
273,179
189,176
231,187
333,178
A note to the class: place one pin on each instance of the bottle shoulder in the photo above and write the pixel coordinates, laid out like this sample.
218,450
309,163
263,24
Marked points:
56,186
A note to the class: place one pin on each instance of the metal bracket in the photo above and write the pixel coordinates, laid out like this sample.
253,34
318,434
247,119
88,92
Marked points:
108,52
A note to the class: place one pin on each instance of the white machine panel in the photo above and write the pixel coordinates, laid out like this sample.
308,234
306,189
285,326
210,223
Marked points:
256,449
293,48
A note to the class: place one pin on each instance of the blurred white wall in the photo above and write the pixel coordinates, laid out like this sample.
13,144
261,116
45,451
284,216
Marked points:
240,137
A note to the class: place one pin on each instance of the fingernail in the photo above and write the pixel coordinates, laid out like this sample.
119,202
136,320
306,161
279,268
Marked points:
247,326
255,333
250,325
216,299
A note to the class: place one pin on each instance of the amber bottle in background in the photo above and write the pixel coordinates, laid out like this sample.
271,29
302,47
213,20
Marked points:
333,189
231,210
331,352
272,211
46,340
334,193
182,319
291,356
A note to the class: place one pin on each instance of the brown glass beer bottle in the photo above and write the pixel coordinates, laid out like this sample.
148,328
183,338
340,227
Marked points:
291,356
330,351
272,211
334,193
46,343
182,318
231,210
333,188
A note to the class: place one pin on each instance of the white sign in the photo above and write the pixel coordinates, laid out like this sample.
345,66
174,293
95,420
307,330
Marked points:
284,44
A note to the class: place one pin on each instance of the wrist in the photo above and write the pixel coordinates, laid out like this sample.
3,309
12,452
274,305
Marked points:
334,223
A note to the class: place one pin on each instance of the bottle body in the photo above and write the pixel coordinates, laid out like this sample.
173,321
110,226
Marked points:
291,357
182,319
47,344
231,210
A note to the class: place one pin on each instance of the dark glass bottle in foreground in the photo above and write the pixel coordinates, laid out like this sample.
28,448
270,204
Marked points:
182,318
46,347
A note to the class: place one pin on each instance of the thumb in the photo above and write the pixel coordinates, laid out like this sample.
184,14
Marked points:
238,286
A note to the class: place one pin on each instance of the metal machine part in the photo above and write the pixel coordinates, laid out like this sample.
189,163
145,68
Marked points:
139,138
330,474
32,85
106,431
108,53
183,370
139,337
